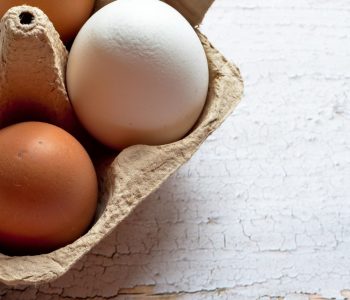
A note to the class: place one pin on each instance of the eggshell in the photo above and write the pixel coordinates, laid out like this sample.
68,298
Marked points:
48,188
67,15
134,173
137,74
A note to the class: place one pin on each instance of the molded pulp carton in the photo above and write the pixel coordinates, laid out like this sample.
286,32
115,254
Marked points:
32,66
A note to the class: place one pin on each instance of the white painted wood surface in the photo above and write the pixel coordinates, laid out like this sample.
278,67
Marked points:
262,211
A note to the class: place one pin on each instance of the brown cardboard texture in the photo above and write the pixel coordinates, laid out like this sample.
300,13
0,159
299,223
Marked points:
32,73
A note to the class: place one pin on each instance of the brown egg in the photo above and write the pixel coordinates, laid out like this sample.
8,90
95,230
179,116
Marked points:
48,188
67,16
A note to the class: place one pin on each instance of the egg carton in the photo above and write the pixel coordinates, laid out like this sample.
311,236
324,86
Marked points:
32,80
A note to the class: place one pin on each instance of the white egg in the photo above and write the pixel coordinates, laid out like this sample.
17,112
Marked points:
137,74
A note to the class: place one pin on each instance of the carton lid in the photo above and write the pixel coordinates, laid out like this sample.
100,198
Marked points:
193,10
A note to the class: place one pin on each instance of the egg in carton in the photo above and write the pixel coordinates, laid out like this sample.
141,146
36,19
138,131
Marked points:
32,83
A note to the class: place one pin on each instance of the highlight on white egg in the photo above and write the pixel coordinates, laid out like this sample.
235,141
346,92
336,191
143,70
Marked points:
137,74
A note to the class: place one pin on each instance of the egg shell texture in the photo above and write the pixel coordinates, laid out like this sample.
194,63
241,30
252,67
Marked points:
152,74
48,188
192,10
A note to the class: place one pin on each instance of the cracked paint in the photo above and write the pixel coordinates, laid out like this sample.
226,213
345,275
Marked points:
262,211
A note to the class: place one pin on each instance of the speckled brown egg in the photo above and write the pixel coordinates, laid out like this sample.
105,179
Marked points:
48,188
68,16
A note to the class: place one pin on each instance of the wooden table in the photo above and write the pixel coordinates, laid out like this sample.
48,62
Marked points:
262,211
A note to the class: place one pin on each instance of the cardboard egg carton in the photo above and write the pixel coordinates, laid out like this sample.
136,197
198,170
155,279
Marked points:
32,79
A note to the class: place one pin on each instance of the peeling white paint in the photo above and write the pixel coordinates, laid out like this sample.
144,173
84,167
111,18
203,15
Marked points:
262,211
